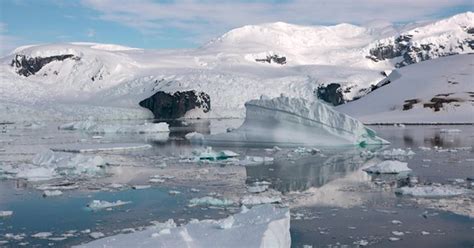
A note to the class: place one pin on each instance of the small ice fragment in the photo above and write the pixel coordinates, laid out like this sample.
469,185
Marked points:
388,167
6,213
86,231
165,231
447,130
141,186
48,193
162,165
361,242
98,204
97,137
227,223
431,191
96,235
174,192
42,235
393,239
156,180
398,233
425,233
194,190
257,200
194,136
208,200
396,222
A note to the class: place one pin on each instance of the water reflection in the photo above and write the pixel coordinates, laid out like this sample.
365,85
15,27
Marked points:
309,171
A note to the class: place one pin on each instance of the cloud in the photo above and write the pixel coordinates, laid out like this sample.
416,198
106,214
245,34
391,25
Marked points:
205,18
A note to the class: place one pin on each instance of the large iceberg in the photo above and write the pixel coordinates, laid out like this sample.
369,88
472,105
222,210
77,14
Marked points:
261,226
295,121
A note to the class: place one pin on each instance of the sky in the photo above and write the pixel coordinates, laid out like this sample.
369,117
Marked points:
175,24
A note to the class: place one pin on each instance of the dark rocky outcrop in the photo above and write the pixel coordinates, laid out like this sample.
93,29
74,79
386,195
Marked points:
331,93
273,59
413,52
27,66
172,106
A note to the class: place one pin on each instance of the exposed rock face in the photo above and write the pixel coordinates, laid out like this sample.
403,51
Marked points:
171,106
414,52
27,66
273,59
331,93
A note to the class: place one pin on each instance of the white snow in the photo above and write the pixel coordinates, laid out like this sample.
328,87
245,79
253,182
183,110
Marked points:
99,204
107,81
296,121
389,167
421,82
432,191
263,226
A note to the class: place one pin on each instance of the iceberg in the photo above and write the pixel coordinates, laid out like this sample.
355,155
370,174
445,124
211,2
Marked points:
261,226
296,122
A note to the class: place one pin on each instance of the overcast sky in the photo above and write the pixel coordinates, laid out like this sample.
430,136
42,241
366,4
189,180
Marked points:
190,23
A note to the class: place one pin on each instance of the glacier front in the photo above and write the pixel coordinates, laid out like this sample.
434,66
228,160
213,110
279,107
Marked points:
295,122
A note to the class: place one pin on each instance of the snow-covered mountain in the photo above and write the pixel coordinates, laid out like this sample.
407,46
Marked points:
336,63
435,91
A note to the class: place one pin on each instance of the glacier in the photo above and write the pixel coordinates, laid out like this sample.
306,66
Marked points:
296,122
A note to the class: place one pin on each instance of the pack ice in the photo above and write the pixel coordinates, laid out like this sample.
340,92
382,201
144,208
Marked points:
261,226
296,121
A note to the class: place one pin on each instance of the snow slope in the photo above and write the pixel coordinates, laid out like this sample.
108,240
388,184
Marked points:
416,88
107,81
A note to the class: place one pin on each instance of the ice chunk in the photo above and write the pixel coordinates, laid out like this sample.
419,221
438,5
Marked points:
432,191
37,174
395,153
100,147
42,235
296,121
208,200
48,193
6,213
255,160
137,187
98,204
91,126
96,235
388,167
259,199
263,226
209,154
194,136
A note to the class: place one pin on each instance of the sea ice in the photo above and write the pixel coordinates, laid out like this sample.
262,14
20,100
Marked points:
100,147
259,199
48,193
98,204
6,213
91,126
431,191
263,226
209,154
388,167
42,235
96,235
208,200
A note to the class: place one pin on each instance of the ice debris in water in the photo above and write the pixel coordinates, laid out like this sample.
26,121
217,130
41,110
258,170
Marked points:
259,199
255,160
137,187
388,167
431,191
303,150
49,165
48,193
446,130
263,226
42,235
96,235
6,213
91,126
395,153
98,204
258,187
194,136
211,201
209,154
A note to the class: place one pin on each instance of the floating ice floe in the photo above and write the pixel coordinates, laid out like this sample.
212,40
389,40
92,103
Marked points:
98,204
296,122
395,153
255,160
138,187
91,126
432,191
262,226
42,235
49,193
50,165
446,130
210,201
209,154
6,213
259,199
194,136
258,187
100,147
96,235
388,167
